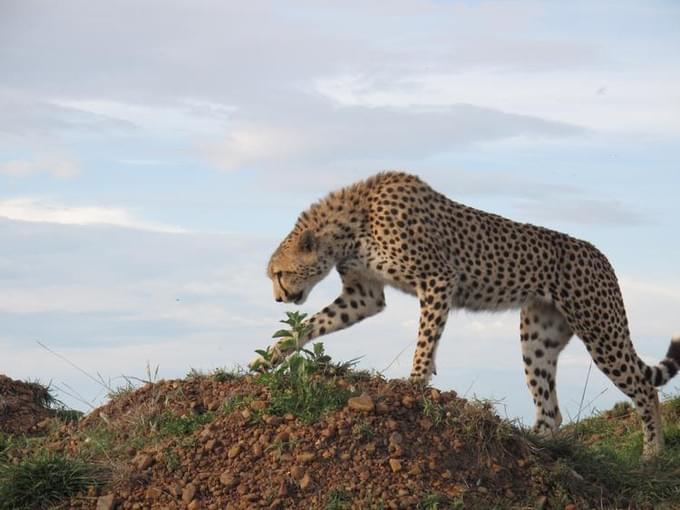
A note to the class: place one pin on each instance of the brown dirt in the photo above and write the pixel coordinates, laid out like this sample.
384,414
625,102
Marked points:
22,406
383,452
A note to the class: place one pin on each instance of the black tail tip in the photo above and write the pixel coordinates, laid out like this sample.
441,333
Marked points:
674,350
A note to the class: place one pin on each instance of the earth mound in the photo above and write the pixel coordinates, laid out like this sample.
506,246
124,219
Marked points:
23,406
227,444
320,436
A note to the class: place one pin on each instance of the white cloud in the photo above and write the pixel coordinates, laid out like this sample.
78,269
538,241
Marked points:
641,104
38,210
61,167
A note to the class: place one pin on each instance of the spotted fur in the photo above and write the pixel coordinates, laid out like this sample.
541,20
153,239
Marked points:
393,229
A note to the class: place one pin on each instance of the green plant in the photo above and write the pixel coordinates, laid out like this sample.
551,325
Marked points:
171,424
43,481
430,501
434,411
304,383
338,499
363,431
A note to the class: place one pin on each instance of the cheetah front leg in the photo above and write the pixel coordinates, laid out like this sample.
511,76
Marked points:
434,310
360,298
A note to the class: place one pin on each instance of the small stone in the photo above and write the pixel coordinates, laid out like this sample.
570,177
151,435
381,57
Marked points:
306,482
257,450
106,502
229,480
571,506
395,464
258,405
234,451
247,414
194,505
283,489
305,457
210,445
364,402
144,461
392,424
328,432
189,493
297,473
396,439
408,401
273,420
382,408
282,437
289,417
175,489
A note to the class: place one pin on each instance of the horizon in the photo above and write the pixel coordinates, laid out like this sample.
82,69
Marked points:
152,157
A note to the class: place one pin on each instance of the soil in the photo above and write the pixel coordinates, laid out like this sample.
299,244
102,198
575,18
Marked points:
394,446
22,406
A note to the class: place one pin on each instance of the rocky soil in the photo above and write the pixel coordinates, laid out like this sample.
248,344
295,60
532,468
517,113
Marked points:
200,443
24,406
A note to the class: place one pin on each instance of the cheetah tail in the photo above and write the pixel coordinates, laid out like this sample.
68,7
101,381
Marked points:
668,367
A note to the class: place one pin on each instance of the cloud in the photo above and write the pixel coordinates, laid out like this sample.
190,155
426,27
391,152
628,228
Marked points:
584,211
321,135
38,210
60,167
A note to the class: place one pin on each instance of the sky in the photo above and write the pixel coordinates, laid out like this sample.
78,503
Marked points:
153,154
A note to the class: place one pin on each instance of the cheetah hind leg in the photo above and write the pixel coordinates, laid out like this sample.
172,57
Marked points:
544,333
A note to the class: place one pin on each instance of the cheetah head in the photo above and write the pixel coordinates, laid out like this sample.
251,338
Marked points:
297,265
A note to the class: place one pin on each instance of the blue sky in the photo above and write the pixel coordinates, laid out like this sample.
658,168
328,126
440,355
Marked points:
152,155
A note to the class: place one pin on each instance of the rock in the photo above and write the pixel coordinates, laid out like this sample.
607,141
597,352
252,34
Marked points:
229,480
283,489
328,432
395,464
107,502
282,437
571,506
392,424
194,505
364,403
175,489
396,439
234,451
189,493
297,473
408,401
210,445
258,405
273,420
257,451
247,414
306,482
143,461
305,457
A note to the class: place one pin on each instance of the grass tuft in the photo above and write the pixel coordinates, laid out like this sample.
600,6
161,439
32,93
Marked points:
44,480
305,384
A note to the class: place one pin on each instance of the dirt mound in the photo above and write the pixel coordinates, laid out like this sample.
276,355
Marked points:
23,405
228,444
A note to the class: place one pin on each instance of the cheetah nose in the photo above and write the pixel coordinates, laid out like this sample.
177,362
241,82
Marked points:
279,300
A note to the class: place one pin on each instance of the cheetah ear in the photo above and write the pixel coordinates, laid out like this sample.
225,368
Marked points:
307,242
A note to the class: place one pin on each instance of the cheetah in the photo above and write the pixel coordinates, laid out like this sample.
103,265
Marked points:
394,229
